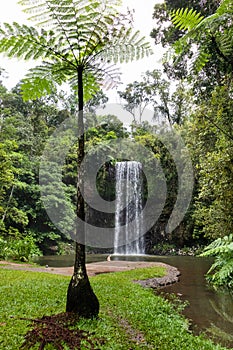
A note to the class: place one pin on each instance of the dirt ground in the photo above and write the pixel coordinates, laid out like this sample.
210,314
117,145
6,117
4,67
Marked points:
93,269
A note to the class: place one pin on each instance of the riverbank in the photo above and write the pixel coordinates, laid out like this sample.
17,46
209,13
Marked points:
171,275
131,317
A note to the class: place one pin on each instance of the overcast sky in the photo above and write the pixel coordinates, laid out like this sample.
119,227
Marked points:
11,11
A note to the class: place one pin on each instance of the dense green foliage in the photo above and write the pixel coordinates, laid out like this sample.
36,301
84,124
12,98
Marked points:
124,323
25,129
215,29
221,272
198,105
200,48
76,41
22,249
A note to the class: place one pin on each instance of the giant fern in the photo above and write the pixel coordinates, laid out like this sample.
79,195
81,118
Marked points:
186,19
217,28
77,41
76,33
221,272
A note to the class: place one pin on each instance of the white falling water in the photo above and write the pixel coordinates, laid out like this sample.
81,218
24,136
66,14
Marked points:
129,204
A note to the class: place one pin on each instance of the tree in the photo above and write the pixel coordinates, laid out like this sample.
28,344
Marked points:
77,42
26,125
137,96
211,130
216,29
165,33
178,66
209,138
155,91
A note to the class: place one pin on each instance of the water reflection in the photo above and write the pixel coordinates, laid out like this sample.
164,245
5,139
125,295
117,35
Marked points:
208,310
66,260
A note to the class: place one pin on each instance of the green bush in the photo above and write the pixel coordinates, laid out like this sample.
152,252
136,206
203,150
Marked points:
221,272
22,249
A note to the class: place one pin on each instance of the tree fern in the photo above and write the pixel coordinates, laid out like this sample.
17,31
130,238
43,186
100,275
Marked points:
199,60
77,41
226,6
185,18
213,248
87,33
216,28
225,42
221,272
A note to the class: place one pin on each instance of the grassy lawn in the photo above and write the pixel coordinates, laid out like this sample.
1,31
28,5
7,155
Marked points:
131,317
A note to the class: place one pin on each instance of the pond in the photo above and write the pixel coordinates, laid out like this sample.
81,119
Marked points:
208,310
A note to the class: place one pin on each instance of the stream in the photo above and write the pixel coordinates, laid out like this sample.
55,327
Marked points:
208,310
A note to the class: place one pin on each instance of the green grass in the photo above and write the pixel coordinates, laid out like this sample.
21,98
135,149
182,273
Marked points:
127,309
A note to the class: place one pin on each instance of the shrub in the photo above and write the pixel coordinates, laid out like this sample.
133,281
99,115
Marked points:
22,249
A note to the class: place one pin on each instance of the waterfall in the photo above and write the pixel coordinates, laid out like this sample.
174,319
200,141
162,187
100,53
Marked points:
129,204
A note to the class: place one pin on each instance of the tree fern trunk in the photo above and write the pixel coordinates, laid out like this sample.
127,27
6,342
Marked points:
80,296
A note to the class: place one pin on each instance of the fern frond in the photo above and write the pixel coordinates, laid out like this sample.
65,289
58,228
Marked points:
217,26
221,271
42,79
126,47
186,19
107,75
43,87
220,245
76,33
225,6
225,42
91,85
25,42
199,60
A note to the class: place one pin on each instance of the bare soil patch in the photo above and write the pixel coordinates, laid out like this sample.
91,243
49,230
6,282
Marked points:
93,269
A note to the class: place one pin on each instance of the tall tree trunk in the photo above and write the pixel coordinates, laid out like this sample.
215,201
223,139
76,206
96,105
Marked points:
8,203
80,296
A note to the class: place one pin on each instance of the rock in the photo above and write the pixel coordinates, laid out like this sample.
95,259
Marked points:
171,277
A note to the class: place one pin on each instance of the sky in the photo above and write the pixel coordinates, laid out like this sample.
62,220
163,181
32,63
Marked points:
143,21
